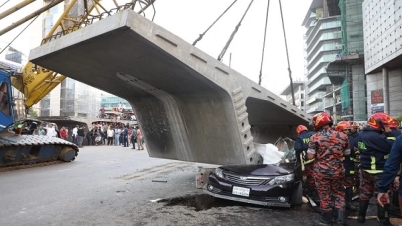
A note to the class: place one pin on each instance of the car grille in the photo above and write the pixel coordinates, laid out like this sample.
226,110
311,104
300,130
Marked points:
246,180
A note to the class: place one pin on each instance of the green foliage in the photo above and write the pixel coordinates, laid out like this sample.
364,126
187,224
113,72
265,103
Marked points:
32,113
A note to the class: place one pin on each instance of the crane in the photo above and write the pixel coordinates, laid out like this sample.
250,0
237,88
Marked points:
34,81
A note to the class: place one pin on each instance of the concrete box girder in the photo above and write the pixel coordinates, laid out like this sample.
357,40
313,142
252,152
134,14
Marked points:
190,106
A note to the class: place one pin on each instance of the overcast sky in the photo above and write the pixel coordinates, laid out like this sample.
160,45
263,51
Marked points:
189,18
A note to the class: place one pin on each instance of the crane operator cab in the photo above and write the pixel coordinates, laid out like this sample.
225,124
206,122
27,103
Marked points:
6,111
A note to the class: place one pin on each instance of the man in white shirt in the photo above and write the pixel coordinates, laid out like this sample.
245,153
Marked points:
75,134
50,131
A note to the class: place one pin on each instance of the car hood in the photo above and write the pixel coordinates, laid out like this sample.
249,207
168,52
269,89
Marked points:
261,169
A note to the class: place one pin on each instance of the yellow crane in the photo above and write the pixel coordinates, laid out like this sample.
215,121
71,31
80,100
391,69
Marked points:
36,82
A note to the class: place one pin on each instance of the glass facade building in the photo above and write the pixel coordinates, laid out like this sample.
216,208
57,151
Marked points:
322,45
70,98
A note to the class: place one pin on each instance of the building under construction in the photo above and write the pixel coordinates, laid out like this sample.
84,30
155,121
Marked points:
346,71
335,65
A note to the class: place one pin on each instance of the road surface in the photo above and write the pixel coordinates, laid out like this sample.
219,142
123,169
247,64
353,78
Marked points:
112,185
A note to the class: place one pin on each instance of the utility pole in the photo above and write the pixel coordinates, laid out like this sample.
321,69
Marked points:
334,106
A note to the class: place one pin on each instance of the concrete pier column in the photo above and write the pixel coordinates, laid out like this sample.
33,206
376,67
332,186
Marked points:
385,82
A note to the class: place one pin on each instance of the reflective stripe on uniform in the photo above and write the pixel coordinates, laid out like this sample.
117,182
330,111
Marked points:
386,156
373,166
352,172
308,161
373,171
391,138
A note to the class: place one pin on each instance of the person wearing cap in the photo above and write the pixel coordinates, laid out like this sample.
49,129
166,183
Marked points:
394,127
301,146
374,144
329,147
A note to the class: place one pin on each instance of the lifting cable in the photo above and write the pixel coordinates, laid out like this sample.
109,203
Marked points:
4,3
18,35
202,35
233,34
263,45
287,56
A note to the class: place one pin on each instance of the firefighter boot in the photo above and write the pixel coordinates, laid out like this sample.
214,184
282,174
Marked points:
363,205
348,199
341,221
383,215
325,220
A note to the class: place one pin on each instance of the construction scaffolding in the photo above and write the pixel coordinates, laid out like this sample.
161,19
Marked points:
342,69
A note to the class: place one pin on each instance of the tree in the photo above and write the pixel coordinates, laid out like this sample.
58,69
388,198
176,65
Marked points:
32,113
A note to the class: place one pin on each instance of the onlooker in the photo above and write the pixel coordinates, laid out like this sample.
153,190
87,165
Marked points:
117,132
41,131
63,133
75,135
50,131
139,138
110,135
133,136
80,136
125,137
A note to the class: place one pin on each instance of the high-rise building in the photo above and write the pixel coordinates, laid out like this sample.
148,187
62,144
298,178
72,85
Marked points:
322,44
383,55
70,98
334,59
299,94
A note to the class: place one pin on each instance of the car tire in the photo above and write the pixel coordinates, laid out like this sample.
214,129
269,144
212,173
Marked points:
297,195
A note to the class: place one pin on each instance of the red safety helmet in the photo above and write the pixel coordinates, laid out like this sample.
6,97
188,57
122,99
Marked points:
322,119
378,120
342,125
394,123
300,129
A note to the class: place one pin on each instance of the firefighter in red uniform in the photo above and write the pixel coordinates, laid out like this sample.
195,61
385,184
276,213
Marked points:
329,147
374,144
349,165
301,146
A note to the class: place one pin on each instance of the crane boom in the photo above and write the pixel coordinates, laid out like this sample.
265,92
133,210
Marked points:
36,82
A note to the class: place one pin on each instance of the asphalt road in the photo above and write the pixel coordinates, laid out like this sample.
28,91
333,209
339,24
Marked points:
113,186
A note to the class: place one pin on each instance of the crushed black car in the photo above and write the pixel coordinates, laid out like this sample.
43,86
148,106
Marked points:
277,185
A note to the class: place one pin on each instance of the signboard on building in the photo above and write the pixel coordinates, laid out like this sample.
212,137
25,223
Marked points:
377,96
377,101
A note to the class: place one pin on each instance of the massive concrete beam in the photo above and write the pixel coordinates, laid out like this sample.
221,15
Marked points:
190,106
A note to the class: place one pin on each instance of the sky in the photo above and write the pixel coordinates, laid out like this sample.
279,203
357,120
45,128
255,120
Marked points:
189,18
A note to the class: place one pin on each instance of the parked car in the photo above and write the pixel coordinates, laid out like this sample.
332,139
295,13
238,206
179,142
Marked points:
269,185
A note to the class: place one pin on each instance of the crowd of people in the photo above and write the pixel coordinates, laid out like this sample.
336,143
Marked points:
111,134
338,157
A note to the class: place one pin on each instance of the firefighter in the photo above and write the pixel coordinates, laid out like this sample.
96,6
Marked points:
349,165
374,144
394,127
329,147
391,168
301,146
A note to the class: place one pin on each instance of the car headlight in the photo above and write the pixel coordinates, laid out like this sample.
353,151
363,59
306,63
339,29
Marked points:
281,179
218,172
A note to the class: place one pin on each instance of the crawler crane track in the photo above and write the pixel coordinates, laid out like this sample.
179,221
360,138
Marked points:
27,151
